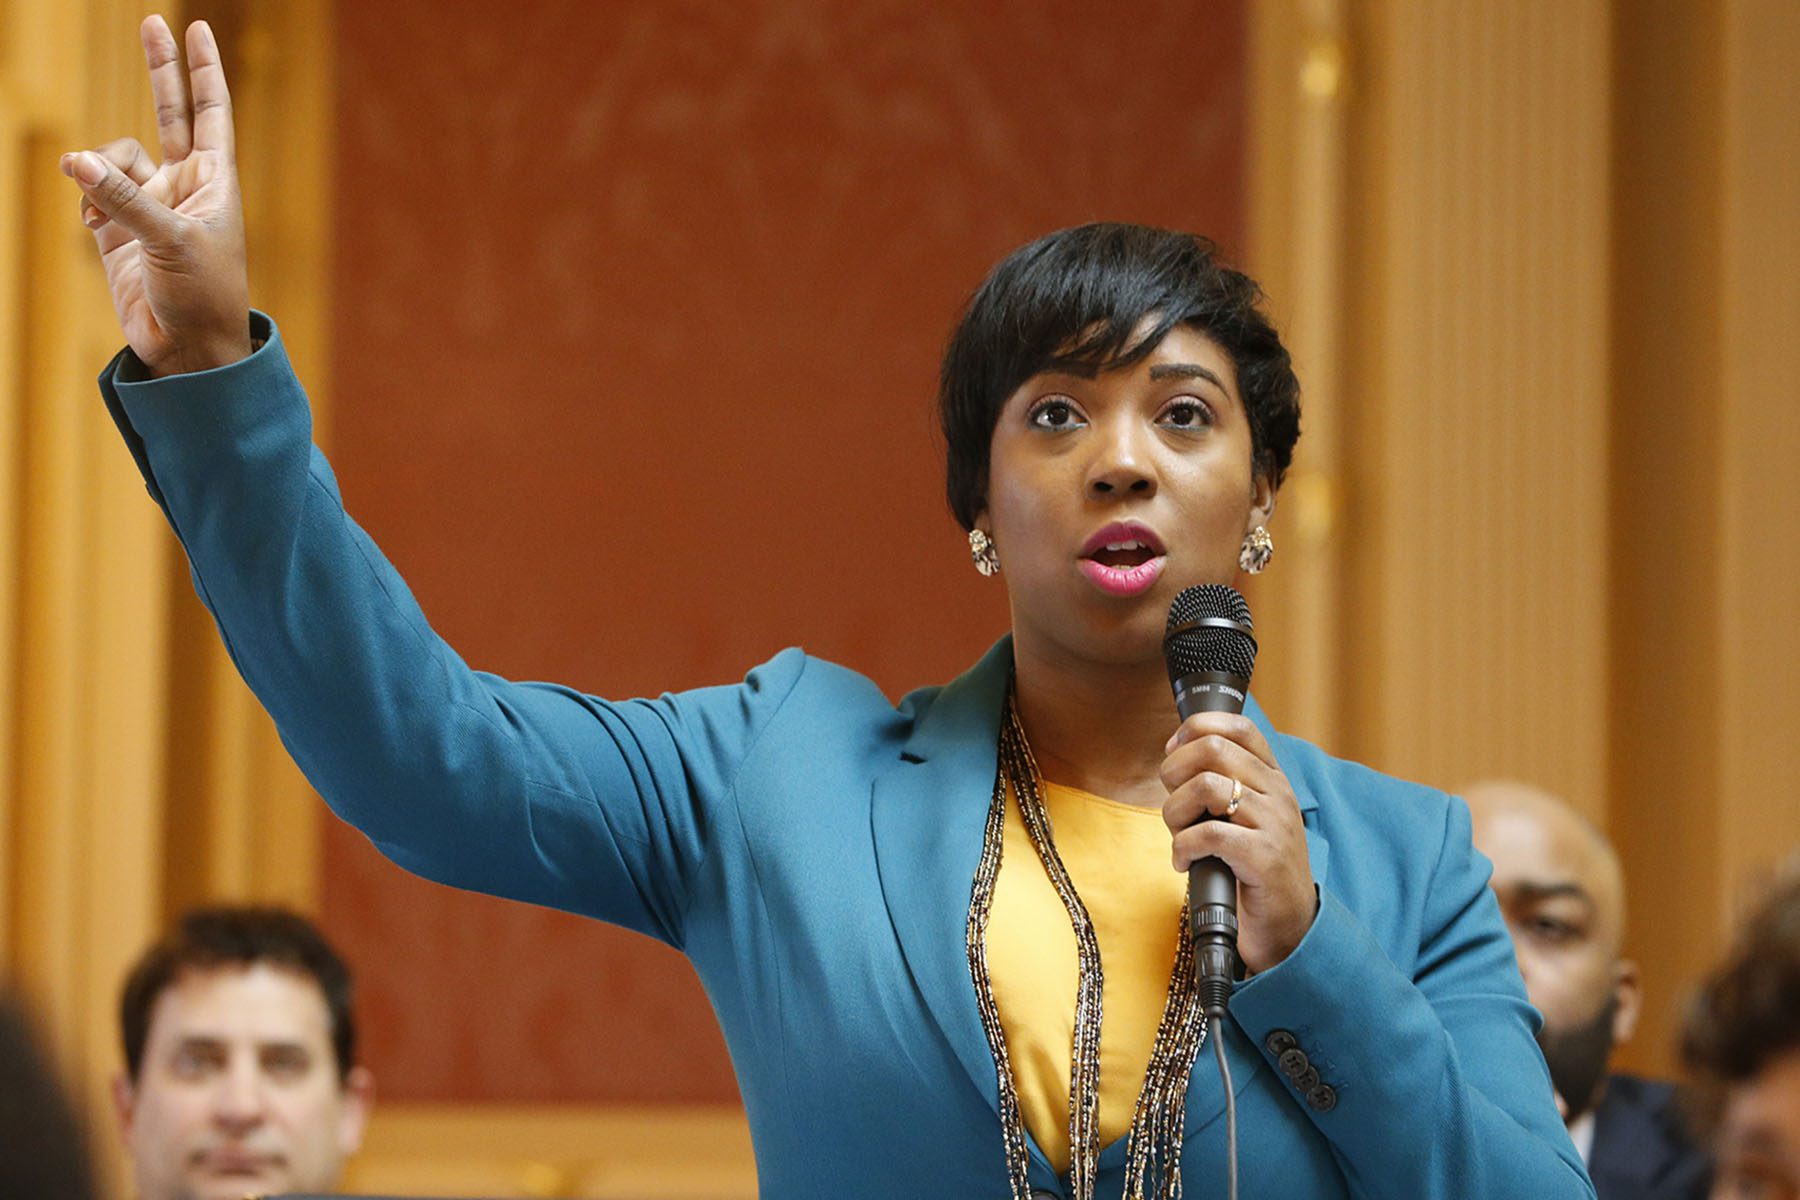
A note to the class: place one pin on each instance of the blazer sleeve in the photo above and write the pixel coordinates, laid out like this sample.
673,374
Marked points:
525,790
1438,1086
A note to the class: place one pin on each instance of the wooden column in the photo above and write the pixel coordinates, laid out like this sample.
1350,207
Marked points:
85,609
242,818
1301,80
1759,444
1664,754
1474,620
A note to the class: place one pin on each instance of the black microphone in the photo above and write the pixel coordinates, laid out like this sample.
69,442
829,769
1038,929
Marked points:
1211,653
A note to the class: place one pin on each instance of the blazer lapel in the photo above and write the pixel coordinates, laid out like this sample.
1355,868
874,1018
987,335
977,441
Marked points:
927,815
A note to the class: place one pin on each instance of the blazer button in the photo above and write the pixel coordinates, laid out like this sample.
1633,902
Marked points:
1322,1098
1292,1062
1307,1080
1279,1042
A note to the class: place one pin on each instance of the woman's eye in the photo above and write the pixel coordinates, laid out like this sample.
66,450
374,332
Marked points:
1055,414
1187,414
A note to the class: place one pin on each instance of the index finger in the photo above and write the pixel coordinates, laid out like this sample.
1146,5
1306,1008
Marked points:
168,88
212,99
1233,726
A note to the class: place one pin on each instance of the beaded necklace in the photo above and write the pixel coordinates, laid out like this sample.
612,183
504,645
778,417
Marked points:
1153,1146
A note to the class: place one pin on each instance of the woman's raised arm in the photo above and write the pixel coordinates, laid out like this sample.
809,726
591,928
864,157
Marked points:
530,791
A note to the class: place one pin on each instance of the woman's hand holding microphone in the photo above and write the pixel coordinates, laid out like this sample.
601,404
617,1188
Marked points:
1212,757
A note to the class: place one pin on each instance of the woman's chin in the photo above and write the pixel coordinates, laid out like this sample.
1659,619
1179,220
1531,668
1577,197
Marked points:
1105,639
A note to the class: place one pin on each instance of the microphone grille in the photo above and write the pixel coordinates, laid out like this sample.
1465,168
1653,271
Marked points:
1228,647
1215,600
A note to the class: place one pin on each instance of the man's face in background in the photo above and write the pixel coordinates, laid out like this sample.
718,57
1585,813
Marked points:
1560,891
239,1091
1758,1140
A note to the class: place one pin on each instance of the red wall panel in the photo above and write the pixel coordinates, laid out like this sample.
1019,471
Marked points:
638,308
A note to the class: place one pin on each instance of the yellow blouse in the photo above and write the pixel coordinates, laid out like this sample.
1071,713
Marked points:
1118,857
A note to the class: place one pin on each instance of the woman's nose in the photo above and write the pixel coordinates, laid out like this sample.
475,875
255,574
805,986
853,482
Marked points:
1120,465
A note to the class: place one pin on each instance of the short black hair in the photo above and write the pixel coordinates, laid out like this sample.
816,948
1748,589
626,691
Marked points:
1072,300
238,936
1747,1014
43,1148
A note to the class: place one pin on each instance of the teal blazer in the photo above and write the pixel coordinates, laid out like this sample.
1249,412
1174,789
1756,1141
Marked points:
810,846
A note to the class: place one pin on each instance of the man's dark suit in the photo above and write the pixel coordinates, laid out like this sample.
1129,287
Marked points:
1642,1148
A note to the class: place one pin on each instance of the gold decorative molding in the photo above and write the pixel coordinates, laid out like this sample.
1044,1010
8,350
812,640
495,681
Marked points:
579,1153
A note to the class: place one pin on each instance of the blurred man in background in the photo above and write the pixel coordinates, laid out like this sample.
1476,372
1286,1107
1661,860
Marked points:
240,1075
1742,1041
1563,897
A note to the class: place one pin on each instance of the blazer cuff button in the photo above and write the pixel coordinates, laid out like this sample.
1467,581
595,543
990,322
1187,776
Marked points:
1293,1062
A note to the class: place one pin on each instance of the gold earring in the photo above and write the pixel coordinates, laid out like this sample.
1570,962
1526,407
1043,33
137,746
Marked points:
983,553
1257,550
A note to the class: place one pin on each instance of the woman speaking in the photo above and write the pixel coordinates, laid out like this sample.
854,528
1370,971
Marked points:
943,939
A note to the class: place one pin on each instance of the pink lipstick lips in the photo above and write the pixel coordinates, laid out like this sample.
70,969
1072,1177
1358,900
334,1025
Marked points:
1123,559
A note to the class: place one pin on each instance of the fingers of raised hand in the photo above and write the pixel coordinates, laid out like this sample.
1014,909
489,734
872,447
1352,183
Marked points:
127,154
168,87
113,194
212,98
193,107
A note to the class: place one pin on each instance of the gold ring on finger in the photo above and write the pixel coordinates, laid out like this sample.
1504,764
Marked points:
1237,798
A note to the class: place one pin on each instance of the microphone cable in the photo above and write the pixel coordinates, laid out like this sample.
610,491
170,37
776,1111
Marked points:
1215,1031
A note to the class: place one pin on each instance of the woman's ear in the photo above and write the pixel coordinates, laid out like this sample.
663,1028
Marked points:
1262,500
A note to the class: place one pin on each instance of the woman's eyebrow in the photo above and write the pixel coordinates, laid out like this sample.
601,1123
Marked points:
1162,371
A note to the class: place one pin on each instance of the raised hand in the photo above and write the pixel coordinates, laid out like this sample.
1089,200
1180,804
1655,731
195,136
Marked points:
171,234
